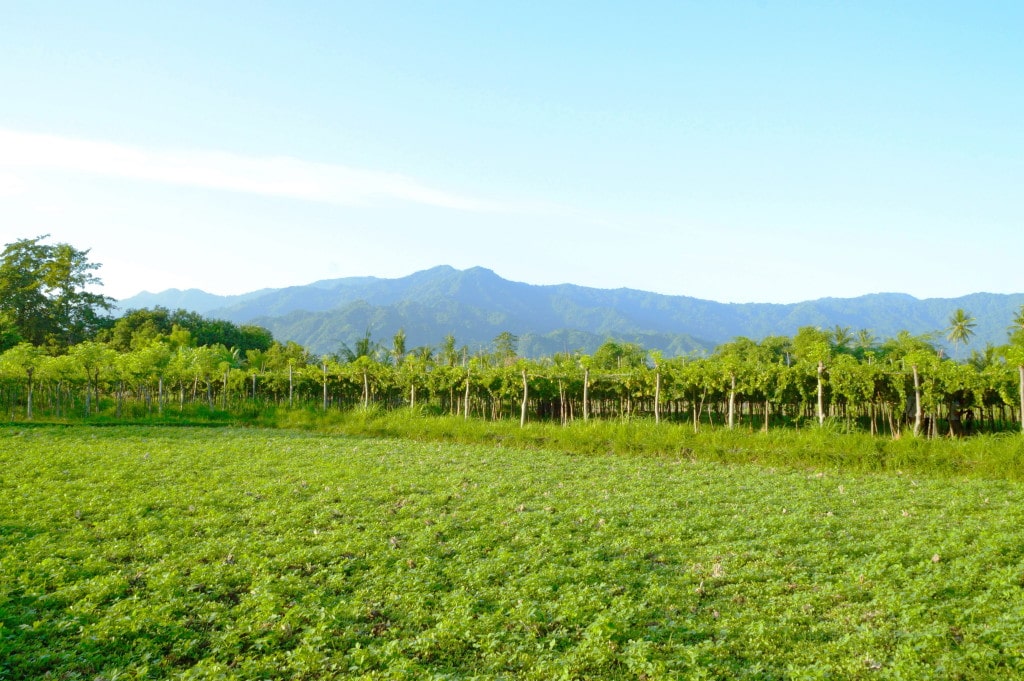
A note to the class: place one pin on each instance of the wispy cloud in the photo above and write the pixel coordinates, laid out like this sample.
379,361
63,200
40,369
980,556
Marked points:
271,176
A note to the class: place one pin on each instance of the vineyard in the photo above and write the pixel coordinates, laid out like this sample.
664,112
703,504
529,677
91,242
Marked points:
901,385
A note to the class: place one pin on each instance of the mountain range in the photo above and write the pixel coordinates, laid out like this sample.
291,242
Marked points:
476,305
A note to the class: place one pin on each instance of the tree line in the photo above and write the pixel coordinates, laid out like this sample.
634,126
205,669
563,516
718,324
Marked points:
63,357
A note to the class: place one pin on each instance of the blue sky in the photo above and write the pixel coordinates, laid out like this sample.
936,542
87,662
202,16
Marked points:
733,151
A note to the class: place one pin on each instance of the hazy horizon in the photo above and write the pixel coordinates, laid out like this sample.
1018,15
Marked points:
145,292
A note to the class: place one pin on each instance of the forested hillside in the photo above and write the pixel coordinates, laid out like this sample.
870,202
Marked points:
476,305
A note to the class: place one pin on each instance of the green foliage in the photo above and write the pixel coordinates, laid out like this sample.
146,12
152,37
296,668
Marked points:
137,328
617,356
904,343
198,553
744,383
241,369
812,345
835,446
45,297
365,347
9,335
961,327
505,346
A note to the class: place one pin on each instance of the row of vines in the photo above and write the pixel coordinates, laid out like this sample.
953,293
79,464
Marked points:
902,384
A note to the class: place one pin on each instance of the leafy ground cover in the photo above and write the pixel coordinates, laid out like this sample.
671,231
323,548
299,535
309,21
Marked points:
147,552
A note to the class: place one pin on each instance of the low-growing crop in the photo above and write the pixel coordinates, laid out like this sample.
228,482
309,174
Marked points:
149,553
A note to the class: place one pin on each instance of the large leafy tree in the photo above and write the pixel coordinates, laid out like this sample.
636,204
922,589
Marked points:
45,294
616,356
505,347
9,336
137,328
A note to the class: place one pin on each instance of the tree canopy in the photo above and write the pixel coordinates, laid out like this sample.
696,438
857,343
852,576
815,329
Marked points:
137,328
45,296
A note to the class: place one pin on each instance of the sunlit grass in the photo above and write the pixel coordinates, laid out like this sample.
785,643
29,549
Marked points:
998,456
212,553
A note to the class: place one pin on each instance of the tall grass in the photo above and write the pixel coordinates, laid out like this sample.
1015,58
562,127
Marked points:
833,447
996,456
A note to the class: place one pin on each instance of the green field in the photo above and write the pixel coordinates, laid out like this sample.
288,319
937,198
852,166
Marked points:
149,552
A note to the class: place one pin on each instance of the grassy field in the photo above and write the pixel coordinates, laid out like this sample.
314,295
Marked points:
149,552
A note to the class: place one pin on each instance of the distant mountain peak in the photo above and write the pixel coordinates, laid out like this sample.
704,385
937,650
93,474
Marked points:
476,305
477,270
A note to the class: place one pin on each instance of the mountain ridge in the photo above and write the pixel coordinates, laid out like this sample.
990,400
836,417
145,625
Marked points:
476,304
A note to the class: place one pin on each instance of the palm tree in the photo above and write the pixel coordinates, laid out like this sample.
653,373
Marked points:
865,340
1016,330
398,346
865,345
364,347
984,358
841,337
961,328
